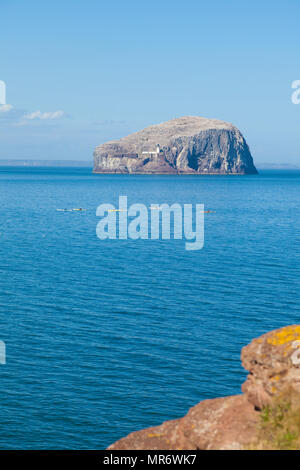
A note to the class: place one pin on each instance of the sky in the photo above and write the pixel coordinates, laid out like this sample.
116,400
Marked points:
81,72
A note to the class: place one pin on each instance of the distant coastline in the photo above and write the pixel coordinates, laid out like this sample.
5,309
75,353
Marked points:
277,166
47,163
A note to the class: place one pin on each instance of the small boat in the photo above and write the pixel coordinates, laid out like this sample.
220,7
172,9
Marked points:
117,210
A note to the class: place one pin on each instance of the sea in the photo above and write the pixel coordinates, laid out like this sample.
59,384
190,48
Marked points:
105,337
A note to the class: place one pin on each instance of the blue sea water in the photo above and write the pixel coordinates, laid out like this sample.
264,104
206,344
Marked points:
107,337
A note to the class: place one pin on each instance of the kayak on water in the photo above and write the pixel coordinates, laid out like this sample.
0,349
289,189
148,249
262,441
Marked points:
71,210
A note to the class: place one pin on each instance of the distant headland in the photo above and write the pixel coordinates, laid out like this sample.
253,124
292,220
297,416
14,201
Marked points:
46,163
186,145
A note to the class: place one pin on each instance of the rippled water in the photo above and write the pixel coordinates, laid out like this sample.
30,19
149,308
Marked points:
106,337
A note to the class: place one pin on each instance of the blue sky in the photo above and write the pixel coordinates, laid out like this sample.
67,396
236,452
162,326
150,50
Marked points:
79,73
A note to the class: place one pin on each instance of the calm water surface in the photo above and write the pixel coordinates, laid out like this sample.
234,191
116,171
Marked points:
107,337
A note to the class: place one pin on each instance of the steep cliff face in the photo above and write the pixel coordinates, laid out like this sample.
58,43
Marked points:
273,361
184,145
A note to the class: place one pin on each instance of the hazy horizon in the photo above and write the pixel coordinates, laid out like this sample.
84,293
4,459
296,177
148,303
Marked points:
89,164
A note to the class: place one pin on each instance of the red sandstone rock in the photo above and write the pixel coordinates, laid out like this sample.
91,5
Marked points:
221,423
273,361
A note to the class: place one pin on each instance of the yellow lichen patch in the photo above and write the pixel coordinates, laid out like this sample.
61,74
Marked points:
285,335
155,434
276,377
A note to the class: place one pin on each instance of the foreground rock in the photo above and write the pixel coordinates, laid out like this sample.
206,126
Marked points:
184,145
221,423
273,361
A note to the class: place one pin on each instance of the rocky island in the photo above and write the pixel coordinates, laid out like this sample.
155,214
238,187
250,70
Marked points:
186,145
265,416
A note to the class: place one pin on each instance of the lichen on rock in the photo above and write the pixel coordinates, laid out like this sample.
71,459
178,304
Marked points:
273,363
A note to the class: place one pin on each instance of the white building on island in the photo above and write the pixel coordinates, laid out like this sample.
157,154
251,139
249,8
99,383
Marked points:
153,153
